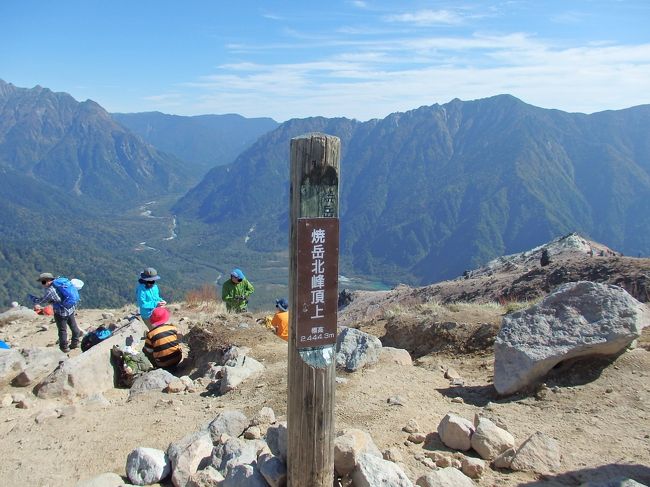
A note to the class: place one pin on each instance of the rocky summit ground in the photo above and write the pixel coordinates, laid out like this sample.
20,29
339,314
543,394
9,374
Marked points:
598,410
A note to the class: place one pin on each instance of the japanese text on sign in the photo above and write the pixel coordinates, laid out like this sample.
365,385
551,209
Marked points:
318,242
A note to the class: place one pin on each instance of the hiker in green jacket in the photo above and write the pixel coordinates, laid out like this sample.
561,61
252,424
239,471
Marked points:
235,292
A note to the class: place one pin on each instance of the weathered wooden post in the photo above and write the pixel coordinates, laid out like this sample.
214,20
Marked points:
313,298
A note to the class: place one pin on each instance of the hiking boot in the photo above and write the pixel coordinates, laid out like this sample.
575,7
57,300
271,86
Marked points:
74,345
65,349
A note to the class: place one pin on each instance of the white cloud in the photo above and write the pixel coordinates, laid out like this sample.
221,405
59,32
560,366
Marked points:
426,17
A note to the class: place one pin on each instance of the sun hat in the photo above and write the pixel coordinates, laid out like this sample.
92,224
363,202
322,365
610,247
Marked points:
159,316
238,274
282,304
45,275
149,274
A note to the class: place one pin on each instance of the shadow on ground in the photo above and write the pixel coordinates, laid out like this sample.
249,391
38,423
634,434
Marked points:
603,476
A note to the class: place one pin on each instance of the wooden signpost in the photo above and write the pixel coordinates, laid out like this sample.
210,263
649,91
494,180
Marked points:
313,298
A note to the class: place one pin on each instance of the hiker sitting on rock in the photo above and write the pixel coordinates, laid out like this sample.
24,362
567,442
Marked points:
147,294
280,321
162,342
235,292
64,297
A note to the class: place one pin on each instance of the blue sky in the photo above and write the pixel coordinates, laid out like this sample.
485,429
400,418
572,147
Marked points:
359,59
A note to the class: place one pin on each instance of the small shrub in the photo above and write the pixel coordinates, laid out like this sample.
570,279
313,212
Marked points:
205,298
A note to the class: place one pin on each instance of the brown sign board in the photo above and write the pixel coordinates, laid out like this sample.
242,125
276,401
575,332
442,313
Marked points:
317,286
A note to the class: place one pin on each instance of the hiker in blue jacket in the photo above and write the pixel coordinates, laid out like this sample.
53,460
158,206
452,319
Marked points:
147,294
65,308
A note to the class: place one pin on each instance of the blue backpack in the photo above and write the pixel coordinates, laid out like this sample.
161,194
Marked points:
67,292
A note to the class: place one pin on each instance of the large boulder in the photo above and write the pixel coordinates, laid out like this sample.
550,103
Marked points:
489,441
578,319
11,364
39,361
356,349
15,314
90,372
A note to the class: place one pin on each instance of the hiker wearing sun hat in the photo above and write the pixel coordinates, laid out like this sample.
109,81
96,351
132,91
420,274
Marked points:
280,321
162,340
147,294
235,291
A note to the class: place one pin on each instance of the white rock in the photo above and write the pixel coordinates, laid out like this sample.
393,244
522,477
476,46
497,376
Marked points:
265,416
90,372
577,319
472,467
146,466
504,459
395,356
372,471
208,477
233,451
188,455
356,349
445,477
245,368
243,476
276,437
348,446
540,453
230,422
456,432
489,441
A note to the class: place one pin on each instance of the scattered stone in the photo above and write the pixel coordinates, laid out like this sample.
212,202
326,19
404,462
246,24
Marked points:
145,466
24,404
188,455
396,401
46,414
445,477
356,349
372,471
43,328
6,401
175,386
472,467
108,316
190,386
455,432
243,476
233,451
393,455
504,459
452,374
412,426
253,433
488,440
265,416
417,438
341,380
577,319
348,446
395,356
458,400
540,453
276,437
273,470
230,422
154,380
208,477
244,367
